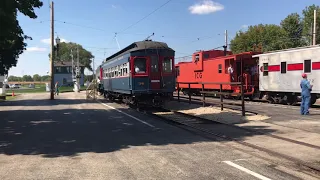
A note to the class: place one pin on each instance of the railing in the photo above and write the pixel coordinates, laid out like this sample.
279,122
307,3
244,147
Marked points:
221,93
91,90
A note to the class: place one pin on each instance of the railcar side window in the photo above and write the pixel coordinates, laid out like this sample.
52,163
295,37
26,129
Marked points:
154,64
283,67
265,69
167,65
220,68
140,65
307,66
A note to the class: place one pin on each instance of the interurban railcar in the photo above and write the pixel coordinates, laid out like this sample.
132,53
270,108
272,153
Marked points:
141,73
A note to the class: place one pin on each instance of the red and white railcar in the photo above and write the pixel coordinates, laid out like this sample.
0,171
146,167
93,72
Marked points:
280,73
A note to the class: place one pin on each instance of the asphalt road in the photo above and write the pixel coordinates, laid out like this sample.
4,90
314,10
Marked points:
72,138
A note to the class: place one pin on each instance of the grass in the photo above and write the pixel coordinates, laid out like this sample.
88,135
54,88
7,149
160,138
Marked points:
8,98
42,89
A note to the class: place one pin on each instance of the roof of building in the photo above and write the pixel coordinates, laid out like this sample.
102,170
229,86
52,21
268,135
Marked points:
66,63
140,45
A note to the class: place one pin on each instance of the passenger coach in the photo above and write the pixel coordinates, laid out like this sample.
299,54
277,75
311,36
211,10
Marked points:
140,73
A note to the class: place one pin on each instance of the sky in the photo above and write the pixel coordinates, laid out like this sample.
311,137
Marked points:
185,25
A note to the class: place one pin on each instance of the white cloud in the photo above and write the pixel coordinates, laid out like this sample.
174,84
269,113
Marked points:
113,6
205,7
244,26
48,40
36,49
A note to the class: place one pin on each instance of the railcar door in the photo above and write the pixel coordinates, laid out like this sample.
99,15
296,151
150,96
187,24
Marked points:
155,74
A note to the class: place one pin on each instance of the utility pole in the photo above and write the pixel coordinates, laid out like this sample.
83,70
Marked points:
78,72
52,52
72,65
226,42
94,80
314,27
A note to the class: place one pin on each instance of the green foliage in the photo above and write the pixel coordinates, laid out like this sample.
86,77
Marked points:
14,78
308,14
269,36
292,32
27,78
12,38
36,77
85,56
293,26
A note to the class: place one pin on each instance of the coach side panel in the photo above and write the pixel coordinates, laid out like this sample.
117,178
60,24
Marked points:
281,72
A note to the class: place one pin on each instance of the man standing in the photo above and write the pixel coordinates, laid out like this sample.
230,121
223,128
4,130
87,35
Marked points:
230,71
57,88
305,95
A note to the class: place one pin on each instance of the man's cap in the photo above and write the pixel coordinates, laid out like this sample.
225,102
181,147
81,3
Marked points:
304,75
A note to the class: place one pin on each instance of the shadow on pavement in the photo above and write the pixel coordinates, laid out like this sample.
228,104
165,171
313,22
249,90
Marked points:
45,102
67,132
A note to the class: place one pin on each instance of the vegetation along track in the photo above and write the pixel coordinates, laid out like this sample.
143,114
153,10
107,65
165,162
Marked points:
228,132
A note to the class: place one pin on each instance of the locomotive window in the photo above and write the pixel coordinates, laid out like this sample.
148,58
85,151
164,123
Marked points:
154,64
220,68
307,66
140,65
205,56
167,65
177,71
265,69
283,67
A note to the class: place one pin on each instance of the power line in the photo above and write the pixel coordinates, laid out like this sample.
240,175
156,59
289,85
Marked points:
145,16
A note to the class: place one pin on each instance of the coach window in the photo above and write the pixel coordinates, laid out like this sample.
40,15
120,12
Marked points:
154,64
283,67
140,65
265,69
167,65
220,68
307,66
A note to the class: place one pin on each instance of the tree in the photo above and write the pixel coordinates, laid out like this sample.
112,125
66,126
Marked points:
14,79
308,14
85,56
27,78
11,35
45,78
36,77
270,37
293,27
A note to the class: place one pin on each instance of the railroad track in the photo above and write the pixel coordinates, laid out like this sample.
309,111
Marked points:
199,124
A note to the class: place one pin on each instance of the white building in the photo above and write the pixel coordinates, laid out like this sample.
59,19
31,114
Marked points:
63,73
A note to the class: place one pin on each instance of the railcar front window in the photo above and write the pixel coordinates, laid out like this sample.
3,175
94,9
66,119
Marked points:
140,65
167,65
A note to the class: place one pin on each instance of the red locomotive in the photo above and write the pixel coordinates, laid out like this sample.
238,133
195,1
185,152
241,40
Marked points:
215,66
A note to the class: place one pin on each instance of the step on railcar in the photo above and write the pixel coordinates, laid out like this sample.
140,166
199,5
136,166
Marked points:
141,73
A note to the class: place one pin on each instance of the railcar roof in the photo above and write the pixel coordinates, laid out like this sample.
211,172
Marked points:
140,45
287,50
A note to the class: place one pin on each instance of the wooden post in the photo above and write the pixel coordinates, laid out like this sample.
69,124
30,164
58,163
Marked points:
203,97
189,92
221,97
242,98
178,92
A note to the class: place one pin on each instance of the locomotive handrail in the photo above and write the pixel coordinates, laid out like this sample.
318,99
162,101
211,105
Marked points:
216,92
